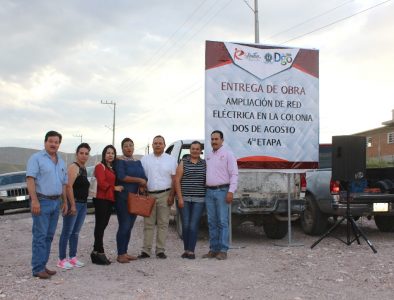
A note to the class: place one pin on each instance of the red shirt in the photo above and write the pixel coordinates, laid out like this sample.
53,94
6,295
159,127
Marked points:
105,182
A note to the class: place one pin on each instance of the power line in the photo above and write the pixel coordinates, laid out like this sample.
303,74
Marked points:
113,121
206,23
310,19
162,58
167,103
190,90
167,42
336,22
180,97
332,23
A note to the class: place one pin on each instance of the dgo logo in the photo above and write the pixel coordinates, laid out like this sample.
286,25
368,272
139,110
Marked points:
282,58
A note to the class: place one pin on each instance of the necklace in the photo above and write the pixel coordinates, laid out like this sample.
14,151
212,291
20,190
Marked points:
127,158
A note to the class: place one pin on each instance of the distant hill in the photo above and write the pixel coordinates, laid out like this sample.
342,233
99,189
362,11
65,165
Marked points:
6,168
14,159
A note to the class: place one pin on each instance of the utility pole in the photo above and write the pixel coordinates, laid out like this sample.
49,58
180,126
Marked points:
256,20
78,135
113,123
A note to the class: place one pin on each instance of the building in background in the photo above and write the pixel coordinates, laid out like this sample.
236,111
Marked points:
380,143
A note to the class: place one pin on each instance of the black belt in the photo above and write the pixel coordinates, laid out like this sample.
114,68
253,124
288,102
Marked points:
54,197
158,192
81,200
218,187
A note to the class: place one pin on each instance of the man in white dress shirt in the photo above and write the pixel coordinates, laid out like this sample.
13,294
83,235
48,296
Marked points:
160,169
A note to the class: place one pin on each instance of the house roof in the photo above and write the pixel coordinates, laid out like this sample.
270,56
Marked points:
389,122
387,125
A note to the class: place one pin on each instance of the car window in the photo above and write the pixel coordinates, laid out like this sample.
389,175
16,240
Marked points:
325,156
89,171
169,149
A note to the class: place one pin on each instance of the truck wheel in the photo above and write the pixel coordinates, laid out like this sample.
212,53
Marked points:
390,185
385,223
178,223
313,221
274,229
384,185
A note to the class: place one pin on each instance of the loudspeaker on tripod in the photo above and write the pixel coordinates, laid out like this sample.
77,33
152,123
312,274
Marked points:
348,157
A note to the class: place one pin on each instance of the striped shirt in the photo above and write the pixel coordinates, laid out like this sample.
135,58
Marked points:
193,179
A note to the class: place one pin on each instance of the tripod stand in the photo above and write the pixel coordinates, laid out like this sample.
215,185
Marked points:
350,224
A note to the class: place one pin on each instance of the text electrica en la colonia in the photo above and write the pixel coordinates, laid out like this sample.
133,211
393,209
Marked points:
250,115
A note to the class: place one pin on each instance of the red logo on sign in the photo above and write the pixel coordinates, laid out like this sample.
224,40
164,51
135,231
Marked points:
238,53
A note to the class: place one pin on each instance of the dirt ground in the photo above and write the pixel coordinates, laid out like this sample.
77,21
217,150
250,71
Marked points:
257,268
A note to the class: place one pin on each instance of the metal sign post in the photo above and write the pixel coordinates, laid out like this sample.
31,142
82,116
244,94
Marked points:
230,231
290,243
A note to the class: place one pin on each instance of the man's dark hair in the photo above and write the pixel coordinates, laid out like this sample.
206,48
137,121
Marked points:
218,131
105,151
53,133
125,140
161,137
83,145
196,143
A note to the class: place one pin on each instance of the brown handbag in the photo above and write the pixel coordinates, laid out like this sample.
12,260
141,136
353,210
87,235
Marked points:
140,205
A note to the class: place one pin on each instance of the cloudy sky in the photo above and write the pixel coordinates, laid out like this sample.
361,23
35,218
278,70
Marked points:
59,59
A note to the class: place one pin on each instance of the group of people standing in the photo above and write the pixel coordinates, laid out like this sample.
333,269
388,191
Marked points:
197,183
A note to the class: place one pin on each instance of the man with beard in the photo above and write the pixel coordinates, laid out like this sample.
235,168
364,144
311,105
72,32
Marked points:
221,180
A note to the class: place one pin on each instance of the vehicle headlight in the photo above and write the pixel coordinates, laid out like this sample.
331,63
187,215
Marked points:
3,193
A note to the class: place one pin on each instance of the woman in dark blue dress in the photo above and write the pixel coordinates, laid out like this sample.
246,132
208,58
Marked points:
131,176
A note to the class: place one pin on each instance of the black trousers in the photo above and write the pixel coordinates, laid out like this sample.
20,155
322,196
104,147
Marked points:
102,213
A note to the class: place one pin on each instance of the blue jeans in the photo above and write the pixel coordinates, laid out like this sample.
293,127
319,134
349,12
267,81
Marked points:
43,230
126,223
191,215
217,210
71,227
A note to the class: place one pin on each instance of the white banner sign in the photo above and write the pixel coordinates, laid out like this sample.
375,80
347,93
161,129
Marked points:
265,100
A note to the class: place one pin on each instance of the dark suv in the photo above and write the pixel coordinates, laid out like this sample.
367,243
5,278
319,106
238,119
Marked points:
13,191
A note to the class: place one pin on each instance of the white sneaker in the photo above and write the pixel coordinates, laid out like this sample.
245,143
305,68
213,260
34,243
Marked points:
75,262
64,264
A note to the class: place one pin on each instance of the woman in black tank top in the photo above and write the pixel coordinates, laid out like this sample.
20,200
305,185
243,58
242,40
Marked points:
77,195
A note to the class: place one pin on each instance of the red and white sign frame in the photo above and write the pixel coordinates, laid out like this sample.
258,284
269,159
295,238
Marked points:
265,99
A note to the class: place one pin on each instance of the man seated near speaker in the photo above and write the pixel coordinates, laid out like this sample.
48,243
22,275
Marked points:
358,185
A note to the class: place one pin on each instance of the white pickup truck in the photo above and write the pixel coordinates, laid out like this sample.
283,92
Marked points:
261,197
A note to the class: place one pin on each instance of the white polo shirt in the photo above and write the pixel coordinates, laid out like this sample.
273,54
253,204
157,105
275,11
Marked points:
159,170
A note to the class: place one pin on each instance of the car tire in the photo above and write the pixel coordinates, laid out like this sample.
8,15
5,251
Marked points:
274,229
385,223
313,221
384,185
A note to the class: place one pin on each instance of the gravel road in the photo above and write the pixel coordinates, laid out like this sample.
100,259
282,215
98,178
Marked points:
257,268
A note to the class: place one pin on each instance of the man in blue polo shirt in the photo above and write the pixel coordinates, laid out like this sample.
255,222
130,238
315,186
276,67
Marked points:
46,182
